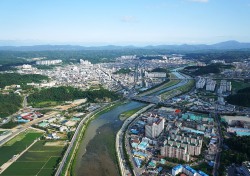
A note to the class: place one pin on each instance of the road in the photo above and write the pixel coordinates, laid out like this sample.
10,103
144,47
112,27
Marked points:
25,102
218,154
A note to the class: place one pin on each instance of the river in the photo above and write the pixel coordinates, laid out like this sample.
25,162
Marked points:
96,156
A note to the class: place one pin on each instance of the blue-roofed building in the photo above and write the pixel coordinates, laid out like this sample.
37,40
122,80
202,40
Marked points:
189,170
160,169
152,164
142,146
177,169
134,131
141,123
239,131
202,173
137,162
134,145
186,170
140,154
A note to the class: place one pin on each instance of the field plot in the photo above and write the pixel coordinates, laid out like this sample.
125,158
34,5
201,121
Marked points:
17,145
40,160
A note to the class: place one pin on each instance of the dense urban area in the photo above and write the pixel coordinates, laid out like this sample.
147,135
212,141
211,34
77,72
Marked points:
173,113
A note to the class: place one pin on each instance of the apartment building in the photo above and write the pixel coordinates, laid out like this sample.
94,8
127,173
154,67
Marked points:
182,146
154,127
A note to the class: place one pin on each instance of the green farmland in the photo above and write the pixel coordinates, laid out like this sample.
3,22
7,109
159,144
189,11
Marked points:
39,160
17,145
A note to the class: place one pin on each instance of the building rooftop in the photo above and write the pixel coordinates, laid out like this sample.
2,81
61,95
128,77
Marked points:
177,167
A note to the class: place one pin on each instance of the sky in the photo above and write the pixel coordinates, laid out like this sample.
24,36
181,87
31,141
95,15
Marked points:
123,22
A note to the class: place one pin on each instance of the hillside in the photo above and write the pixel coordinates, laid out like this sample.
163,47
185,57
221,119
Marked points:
241,98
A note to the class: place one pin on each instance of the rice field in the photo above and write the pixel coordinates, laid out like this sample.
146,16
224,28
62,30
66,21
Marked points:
17,145
40,160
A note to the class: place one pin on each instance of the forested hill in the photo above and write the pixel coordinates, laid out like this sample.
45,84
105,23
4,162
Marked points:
60,94
7,79
241,98
202,70
9,104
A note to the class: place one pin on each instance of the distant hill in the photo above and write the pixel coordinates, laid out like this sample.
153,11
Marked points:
227,45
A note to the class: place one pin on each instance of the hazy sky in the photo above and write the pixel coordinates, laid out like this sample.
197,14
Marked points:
124,22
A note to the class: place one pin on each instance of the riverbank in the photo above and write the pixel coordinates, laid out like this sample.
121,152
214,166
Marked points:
129,113
123,158
97,153
70,162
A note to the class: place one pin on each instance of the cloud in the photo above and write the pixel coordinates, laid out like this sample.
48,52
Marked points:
202,1
129,19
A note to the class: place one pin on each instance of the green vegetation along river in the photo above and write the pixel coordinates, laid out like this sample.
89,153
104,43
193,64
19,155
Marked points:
96,156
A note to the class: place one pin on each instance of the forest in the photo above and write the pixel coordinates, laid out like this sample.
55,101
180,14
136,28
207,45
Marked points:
239,151
60,94
228,55
123,71
9,104
241,98
202,70
7,79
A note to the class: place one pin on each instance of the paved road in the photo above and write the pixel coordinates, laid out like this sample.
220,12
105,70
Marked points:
218,154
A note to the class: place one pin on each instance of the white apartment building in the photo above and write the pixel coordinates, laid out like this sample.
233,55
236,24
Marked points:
154,127
210,86
200,83
48,62
155,74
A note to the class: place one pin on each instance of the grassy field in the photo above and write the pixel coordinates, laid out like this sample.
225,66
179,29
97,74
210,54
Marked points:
47,104
40,160
157,88
17,145
129,113
237,85
185,88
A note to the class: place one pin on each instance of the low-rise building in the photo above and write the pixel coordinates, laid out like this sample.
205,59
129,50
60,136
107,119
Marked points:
246,168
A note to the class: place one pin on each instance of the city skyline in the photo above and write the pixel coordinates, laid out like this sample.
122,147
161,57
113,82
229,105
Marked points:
132,22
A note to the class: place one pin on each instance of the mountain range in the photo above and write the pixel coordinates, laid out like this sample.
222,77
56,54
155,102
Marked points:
227,45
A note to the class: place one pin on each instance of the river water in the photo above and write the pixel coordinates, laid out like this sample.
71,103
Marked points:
96,156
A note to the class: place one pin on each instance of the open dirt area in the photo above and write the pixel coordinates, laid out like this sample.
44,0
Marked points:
55,143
